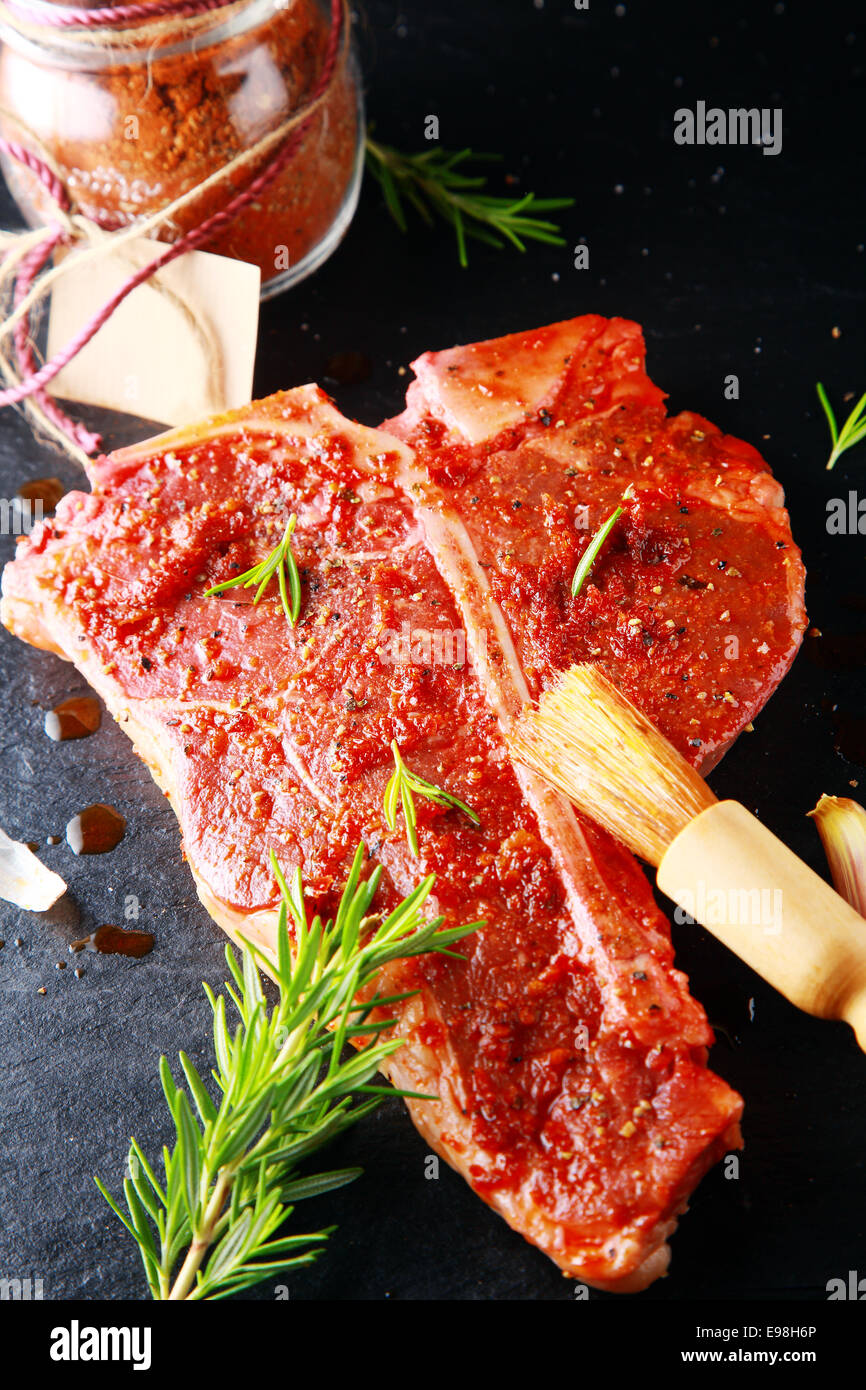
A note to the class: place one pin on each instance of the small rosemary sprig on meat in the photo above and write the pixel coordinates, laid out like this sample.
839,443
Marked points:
590,555
400,789
208,1227
436,181
281,562
852,432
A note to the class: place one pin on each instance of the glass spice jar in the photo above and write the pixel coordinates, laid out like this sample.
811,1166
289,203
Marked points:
133,118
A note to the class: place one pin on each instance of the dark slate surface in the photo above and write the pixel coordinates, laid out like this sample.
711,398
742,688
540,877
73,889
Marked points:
734,262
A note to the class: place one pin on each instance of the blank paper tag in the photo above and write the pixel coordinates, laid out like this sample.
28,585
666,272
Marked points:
180,347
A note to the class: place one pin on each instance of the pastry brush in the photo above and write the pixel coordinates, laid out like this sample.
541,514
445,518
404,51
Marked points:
716,860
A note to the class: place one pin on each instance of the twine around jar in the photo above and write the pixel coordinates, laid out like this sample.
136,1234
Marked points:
23,286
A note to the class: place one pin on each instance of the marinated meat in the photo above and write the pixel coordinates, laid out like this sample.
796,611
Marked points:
567,1054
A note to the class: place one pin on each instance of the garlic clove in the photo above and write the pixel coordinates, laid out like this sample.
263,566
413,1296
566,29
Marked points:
841,824
24,879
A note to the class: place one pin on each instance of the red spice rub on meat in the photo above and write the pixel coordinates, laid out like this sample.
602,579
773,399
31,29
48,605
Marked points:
568,1057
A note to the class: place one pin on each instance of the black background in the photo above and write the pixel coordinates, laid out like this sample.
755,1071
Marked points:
734,262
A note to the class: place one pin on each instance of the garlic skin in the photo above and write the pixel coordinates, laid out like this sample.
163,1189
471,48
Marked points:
841,824
24,879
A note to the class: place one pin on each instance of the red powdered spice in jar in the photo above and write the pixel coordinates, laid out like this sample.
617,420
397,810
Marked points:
132,118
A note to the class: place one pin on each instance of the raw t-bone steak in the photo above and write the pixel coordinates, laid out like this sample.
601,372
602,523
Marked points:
436,559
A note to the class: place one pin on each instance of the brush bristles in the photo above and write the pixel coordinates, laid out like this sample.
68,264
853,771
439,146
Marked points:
591,743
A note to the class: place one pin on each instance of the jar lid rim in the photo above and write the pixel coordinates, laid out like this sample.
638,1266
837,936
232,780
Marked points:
87,12
36,26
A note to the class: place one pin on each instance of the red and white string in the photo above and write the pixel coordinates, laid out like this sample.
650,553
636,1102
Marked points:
33,380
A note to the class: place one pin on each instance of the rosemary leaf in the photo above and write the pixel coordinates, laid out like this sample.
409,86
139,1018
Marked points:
284,1089
281,562
852,432
402,785
435,182
590,555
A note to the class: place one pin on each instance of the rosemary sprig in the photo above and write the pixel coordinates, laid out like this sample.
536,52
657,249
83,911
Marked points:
590,555
436,182
207,1228
400,789
279,562
851,433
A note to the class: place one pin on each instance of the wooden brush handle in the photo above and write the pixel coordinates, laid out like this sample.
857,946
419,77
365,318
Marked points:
727,871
